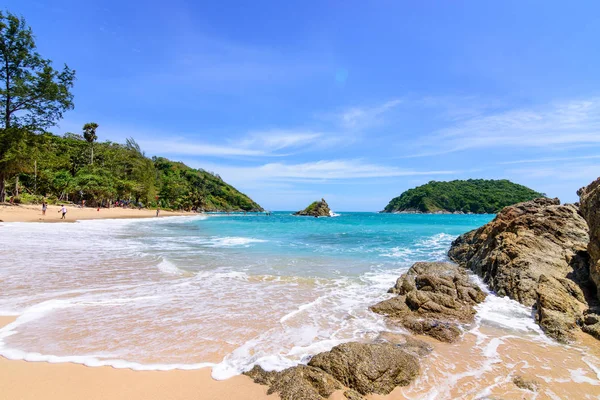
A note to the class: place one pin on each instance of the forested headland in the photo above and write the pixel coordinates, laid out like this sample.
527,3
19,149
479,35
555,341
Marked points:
37,166
476,196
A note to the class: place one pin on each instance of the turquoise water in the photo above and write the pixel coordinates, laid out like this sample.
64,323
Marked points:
228,292
282,244
220,291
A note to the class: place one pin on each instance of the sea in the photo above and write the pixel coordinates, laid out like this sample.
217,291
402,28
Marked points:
230,291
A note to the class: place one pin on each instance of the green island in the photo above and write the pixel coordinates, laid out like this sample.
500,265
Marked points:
477,196
316,209
37,166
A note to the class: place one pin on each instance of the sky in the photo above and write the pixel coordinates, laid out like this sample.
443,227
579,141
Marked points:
354,101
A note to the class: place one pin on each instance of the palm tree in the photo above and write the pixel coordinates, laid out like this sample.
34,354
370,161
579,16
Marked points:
89,133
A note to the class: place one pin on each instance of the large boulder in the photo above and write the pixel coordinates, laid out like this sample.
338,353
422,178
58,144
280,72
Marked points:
535,253
316,209
369,368
524,241
589,200
300,382
361,368
433,298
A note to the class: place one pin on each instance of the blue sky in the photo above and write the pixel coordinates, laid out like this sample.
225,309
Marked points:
352,101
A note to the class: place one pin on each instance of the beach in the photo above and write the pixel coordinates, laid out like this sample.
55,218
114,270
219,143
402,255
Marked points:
178,308
33,380
33,213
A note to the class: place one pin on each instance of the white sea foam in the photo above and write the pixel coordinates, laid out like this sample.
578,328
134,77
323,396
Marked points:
506,313
167,267
230,241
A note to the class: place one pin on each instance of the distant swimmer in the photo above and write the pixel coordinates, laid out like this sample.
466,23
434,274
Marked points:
63,209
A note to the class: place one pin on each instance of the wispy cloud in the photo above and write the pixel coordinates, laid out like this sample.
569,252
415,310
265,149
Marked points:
364,117
549,160
324,170
577,171
193,148
569,123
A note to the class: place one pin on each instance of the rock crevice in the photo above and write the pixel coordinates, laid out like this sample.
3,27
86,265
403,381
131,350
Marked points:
536,253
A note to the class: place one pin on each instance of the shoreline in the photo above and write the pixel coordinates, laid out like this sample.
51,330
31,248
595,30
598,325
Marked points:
33,213
69,381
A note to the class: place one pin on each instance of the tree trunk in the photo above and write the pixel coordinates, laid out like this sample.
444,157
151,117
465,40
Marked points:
17,186
92,160
2,188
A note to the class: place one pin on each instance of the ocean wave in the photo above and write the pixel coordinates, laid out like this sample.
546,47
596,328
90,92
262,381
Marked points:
167,267
230,241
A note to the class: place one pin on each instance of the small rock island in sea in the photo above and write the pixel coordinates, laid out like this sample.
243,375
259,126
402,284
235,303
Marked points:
472,196
316,209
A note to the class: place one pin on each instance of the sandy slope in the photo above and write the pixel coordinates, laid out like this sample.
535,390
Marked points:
33,213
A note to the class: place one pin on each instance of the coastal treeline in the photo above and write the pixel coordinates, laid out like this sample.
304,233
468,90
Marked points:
468,196
71,168
36,165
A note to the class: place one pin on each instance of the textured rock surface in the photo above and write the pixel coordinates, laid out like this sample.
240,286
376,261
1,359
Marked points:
559,307
589,199
368,368
535,253
360,368
414,346
524,241
433,298
301,382
316,209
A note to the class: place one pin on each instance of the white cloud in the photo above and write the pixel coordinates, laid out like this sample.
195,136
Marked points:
316,171
570,123
576,172
549,160
363,117
279,139
164,147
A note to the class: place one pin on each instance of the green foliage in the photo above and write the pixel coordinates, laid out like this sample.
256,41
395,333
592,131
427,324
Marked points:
89,132
312,207
122,172
33,95
473,195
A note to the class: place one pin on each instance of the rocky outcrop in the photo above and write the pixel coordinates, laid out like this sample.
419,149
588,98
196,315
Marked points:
589,200
360,368
300,382
369,368
535,253
434,299
316,209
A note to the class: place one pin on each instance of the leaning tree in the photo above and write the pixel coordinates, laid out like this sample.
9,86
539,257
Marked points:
89,133
33,95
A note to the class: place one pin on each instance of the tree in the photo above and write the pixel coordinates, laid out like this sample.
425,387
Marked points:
33,95
89,133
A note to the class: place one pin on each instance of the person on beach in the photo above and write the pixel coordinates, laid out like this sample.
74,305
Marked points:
63,209
157,211
44,207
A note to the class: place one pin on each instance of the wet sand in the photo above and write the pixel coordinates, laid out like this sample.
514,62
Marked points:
462,370
33,213
39,380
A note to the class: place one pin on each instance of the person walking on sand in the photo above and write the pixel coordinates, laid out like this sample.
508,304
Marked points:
157,211
44,207
63,209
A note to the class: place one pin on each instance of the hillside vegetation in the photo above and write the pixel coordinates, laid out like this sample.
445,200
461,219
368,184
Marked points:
474,195
62,168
